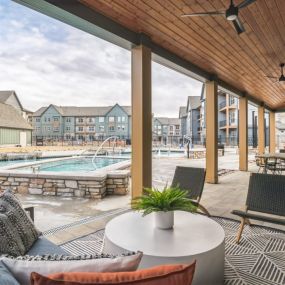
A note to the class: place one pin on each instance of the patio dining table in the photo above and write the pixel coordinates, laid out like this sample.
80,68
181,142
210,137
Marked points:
268,156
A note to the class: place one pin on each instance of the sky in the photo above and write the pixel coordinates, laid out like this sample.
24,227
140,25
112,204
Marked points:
48,62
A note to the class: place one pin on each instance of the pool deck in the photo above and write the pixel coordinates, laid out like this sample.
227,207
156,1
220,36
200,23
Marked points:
220,199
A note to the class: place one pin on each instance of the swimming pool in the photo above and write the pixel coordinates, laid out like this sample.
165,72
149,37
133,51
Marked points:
78,164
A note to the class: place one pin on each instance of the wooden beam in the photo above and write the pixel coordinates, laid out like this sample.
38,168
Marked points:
141,120
272,134
211,132
261,130
243,134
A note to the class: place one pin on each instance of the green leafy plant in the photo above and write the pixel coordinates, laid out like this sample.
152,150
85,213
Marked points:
170,199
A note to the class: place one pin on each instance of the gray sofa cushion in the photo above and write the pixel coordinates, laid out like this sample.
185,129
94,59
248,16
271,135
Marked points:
17,231
6,278
43,246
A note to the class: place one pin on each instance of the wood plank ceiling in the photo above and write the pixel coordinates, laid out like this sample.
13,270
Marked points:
211,42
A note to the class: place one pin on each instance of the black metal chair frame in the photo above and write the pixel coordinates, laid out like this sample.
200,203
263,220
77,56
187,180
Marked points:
192,180
266,195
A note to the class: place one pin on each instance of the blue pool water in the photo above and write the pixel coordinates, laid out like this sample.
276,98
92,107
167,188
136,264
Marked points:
83,164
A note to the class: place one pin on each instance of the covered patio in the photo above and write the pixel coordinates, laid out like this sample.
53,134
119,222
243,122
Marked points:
237,60
208,49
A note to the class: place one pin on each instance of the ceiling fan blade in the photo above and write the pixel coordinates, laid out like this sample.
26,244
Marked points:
214,13
238,26
245,3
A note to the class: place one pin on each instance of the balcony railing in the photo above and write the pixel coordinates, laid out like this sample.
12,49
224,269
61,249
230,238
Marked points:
222,123
222,105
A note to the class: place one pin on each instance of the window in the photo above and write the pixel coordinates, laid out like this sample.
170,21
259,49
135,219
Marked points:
123,119
56,119
177,133
56,129
102,128
159,127
68,120
48,119
119,119
177,127
80,129
91,129
111,128
91,120
68,137
111,119
80,120
101,119
80,137
171,128
67,128
119,128
48,129
38,129
123,127
38,120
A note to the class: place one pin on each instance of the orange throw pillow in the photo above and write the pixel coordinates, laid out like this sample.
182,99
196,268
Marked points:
159,275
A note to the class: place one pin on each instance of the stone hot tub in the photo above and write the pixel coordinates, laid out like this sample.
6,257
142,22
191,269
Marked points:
39,178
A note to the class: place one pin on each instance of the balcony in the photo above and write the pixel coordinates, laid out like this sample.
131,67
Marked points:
223,123
222,105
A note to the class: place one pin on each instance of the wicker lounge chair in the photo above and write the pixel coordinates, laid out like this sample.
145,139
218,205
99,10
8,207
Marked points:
266,195
191,179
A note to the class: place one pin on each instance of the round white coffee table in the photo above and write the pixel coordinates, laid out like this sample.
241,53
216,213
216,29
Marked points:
194,237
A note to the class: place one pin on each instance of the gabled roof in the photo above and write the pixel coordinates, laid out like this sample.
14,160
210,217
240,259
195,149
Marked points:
5,95
193,103
70,111
11,118
182,112
168,121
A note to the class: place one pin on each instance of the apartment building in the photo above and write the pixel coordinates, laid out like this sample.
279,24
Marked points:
167,130
82,123
193,125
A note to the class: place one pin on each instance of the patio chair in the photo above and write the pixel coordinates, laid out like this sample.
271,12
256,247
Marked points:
191,179
266,195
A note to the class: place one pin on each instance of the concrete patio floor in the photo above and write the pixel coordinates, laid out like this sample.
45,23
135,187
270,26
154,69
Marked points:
220,199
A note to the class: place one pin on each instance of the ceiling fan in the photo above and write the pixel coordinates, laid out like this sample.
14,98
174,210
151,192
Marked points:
231,14
282,77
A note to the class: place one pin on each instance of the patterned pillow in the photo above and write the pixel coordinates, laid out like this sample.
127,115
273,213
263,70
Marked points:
22,267
17,231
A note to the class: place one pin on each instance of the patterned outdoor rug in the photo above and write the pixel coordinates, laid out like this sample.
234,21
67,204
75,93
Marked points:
259,259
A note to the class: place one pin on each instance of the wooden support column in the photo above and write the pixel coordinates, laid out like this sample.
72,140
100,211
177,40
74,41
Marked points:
211,132
272,135
261,130
141,120
243,134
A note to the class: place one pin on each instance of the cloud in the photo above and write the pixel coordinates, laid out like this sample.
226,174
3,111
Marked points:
47,61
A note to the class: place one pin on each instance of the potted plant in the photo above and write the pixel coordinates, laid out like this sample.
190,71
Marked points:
163,204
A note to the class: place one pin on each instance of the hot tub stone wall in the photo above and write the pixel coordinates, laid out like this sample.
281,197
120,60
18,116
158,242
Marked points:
115,183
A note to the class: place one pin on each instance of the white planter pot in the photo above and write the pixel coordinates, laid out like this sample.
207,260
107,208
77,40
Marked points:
164,220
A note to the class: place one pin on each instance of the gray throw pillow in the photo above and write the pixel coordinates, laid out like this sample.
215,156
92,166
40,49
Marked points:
22,267
17,231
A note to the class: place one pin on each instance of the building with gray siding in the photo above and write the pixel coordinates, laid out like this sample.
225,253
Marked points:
82,123
167,131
